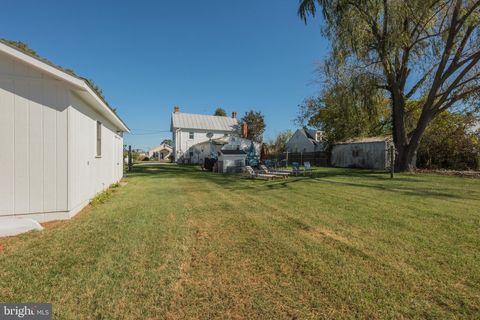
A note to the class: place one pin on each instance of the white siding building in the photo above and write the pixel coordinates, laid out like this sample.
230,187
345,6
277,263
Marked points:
190,130
366,153
161,152
61,144
232,142
305,140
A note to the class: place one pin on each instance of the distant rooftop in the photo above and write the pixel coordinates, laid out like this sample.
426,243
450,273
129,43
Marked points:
365,140
203,122
163,146
311,135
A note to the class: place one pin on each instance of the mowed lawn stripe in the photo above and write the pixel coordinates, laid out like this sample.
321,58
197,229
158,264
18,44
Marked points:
255,203
179,243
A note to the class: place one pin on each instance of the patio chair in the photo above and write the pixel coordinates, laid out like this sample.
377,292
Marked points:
250,173
307,166
282,174
283,163
296,168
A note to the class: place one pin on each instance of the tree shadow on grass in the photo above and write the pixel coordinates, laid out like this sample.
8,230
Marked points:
415,186
412,191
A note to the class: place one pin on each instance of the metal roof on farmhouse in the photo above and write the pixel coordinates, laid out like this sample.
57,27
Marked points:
182,120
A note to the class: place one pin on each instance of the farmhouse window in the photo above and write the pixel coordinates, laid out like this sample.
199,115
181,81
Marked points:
99,139
191,135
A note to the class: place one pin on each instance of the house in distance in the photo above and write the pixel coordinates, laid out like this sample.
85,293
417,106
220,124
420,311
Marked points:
305,140
189,131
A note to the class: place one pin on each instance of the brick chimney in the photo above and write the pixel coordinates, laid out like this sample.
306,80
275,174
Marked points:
176,109
244,130
234,115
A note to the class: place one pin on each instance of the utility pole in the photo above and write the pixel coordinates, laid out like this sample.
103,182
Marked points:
129,158
392,161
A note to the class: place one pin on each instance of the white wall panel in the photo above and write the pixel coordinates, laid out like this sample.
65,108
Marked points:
91,174
7,138
21,152
48,148
33,132
119,157
62,149
50,151
35,149
81,158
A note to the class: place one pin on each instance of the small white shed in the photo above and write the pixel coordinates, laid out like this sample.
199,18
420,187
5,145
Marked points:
367,153
61,144
231,161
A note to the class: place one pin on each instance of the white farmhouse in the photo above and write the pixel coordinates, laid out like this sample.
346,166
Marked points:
190,130
305,140
61,144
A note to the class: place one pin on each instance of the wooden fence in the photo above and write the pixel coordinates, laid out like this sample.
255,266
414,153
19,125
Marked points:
317,159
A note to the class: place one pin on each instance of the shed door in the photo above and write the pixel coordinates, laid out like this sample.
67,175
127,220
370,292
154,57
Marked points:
118,158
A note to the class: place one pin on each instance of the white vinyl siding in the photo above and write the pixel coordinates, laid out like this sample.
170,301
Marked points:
183,144
300,143
91,174
33,135
47,134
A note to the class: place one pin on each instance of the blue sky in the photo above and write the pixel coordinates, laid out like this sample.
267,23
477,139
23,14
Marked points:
148,56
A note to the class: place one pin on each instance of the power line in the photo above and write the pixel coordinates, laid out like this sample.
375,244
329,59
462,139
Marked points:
151,130
148,132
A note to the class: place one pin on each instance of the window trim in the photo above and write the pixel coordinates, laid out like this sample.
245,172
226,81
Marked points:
98,140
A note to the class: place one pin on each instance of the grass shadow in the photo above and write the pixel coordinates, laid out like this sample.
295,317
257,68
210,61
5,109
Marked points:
410,185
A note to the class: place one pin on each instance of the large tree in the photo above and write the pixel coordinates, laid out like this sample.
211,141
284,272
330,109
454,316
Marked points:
167,142
220,112
278,145
256,125
451,140
414,48
346,108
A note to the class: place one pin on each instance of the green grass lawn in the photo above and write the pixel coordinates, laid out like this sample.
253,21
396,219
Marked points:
178,243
